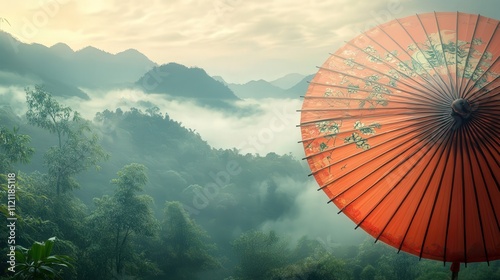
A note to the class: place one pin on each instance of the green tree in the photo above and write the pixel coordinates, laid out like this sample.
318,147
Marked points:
185,248
260,253
37,262
14,148
117,219
77,146
368,273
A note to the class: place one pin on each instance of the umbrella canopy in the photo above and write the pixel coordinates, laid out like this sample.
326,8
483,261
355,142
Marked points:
401,129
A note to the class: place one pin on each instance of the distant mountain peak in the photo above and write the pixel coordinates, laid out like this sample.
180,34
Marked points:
62,49
220,79
90,50
181,81
61,46
63,70
288,80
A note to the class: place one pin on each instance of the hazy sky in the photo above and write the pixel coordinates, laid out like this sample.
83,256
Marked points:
238,40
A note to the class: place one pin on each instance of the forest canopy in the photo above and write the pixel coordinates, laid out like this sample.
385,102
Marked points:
134,194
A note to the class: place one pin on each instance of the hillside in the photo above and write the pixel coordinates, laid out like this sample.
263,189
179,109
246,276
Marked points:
178,80
65,72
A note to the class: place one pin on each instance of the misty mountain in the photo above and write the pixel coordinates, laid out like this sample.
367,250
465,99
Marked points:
288,80
257,89
177,80
63,71
288,86
220,79
300,88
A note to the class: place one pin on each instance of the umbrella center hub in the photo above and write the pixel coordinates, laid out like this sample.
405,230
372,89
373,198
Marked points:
461,108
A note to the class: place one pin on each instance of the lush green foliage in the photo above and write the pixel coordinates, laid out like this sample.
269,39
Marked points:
77,149
180,210
37,262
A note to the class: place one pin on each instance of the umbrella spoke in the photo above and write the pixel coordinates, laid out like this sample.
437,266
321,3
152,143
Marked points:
440,82
425,91
450,84
423,135
402,133
424,77
483,56
401,130
483,75
476,162
438,192
412,118
467,58
433,101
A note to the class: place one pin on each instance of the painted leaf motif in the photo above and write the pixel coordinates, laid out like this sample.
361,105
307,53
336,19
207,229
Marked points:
327,127
358,140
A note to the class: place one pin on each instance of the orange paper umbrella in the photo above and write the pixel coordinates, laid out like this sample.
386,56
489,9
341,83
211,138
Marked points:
401,129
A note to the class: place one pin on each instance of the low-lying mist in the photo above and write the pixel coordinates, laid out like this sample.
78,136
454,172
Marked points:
251,126
257,126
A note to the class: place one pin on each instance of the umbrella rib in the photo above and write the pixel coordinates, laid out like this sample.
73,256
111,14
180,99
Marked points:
466,90
414,213
464,212
353,155
364,90
475,186
357,117
429,129
456,57
445,59
436,91
391,149
370,187
352,76
447,90
413,39
334,148
353,130
408,67
436,196
401,203
361,109
485,91
394,187
468,56
470,90
491,173
491,118
448,220
487,147
356,99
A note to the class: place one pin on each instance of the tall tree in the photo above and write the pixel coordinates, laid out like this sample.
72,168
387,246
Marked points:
119,217
260,253
186,249
77,146
14,148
